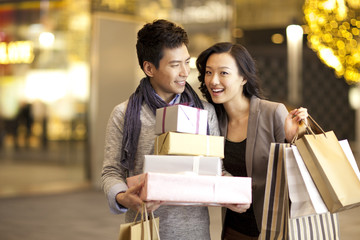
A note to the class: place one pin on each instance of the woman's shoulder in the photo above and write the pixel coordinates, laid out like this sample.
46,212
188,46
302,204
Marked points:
265,103
270,107
207,105
276,109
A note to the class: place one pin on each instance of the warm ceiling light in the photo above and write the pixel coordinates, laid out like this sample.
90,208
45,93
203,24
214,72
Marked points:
46,39
277,38
237,33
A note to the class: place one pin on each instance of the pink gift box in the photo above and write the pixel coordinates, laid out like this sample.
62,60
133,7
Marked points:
181,118
185,189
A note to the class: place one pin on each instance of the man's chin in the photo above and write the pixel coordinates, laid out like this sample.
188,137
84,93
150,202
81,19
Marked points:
180,90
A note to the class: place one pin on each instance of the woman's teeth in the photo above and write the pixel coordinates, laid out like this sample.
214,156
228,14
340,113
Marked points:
217,90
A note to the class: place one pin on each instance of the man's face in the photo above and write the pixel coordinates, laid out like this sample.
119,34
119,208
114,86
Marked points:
170,78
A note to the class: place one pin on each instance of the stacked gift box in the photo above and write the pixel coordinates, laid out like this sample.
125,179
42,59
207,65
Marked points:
186,165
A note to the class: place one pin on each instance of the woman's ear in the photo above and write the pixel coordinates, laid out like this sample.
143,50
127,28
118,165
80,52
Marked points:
244,81
148,68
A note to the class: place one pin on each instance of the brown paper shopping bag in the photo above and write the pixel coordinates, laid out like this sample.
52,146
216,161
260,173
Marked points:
145,229
330,169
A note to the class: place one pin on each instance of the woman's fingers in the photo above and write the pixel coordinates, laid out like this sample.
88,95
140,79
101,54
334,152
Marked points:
240,208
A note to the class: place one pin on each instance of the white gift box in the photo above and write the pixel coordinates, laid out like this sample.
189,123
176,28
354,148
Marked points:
175,189
181,118
198,165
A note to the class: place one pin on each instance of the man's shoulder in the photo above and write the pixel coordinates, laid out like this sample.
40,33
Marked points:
120,109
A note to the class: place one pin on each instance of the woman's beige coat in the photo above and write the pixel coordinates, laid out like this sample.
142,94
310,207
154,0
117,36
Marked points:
266,125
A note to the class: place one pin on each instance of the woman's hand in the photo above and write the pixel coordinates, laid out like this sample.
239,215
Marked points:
240,208
293,121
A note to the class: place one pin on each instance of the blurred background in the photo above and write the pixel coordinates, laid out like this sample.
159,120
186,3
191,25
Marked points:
65,64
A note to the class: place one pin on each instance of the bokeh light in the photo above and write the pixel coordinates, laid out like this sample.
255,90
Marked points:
333,33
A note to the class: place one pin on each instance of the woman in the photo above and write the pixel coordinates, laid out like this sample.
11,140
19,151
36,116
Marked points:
248,122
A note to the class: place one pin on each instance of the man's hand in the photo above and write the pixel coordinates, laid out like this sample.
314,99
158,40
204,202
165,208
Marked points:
130,198
152,205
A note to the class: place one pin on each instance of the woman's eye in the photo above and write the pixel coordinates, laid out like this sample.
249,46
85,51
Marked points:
207,72
224,73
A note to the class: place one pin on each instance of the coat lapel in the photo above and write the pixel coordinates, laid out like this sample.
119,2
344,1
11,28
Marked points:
252,133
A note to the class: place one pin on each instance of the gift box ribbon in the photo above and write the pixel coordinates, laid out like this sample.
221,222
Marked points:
197,118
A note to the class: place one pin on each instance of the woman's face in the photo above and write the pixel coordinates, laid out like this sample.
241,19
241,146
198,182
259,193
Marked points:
222,78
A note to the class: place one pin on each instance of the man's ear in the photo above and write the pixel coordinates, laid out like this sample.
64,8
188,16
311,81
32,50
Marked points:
148,68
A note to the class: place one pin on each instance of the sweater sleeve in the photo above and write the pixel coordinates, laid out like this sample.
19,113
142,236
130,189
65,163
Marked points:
113,175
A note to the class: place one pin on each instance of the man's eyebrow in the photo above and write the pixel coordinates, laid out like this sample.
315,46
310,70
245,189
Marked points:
174,61
178,61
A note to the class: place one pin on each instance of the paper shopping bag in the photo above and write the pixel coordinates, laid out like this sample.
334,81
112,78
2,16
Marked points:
276,223
315,227
125,231
276,200
331,170
145,229
304,196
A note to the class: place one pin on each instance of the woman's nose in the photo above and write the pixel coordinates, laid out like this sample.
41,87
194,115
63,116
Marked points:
214,80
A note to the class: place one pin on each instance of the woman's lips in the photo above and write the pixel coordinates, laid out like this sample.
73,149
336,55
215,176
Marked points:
217,91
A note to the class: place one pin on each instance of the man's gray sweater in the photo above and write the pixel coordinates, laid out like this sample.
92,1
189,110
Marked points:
176,222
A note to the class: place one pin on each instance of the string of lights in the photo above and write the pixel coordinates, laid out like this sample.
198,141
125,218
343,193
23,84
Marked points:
333,28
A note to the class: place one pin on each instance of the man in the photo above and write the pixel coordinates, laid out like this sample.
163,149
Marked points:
164,58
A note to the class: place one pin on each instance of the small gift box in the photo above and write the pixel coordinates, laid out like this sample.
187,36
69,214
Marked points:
172,143
198,165
181,118
176,189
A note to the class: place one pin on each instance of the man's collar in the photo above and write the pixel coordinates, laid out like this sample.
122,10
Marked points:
175,100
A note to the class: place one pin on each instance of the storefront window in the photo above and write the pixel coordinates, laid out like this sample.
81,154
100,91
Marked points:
44,89
44,64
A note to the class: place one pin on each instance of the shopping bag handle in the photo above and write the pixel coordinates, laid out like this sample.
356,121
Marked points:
316,124
155,225
137,214
308,129
144,209
146,220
